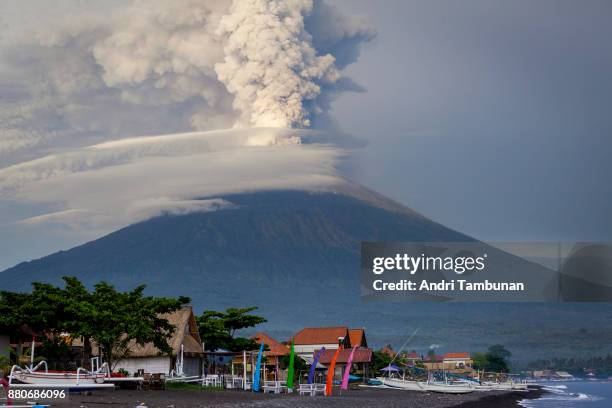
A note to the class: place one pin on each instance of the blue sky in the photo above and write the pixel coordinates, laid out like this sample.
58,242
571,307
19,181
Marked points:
491,117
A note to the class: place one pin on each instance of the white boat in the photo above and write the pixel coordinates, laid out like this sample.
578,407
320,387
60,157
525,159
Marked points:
33,377
501,386
400,383
447,387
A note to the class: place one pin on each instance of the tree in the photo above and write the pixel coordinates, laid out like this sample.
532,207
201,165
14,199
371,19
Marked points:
497,357
380,360
298,363
118,318
480,361
218,329
111,318
494,360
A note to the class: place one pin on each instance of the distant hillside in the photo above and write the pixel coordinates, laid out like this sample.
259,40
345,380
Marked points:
296,256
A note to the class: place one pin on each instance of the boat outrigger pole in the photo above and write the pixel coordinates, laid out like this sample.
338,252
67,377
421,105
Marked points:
403,345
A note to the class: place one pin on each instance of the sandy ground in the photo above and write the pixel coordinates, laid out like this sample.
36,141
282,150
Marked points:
354,398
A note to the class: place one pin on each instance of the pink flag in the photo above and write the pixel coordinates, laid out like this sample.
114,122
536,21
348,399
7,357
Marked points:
347,370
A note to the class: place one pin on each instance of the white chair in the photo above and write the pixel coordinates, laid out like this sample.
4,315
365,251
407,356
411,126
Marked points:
275,387
318,389
306,389
211,380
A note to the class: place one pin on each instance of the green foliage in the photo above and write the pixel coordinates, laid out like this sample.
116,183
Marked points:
298,363
110,318
380,360
218,329
602,365
240,318
480,361
494,360
10,306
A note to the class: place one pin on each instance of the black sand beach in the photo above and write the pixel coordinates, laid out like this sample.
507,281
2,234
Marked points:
354,398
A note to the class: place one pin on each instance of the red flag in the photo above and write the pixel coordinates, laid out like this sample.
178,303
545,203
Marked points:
330,373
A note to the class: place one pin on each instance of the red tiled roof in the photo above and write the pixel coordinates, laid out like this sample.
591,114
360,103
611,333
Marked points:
388,351
413,356
276,348
357,337
435,357
457,355
362,355
320,335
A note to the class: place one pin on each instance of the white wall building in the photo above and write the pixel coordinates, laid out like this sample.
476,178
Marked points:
186,334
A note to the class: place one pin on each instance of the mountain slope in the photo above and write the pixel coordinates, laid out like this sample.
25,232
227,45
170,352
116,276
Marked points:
265,238
296,256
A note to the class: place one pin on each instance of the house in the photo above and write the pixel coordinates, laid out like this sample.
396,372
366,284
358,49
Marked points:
361,360
452,362
457,361
357,338
433,362
412,358
388,350
186,336
270,363
276,351
307,340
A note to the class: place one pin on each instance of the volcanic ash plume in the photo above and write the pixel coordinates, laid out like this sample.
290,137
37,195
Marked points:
77,100
270,64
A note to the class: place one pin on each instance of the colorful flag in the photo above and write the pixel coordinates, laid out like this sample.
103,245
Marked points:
291,370
313,367
347,370
258,368
330,373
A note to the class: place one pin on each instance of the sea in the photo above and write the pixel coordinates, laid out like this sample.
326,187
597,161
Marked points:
570,394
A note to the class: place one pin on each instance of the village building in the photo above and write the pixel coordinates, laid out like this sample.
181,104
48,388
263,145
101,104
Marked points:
271,361
388,350
357,338
185,340
412,359
360,364
433,362
310,339
457,361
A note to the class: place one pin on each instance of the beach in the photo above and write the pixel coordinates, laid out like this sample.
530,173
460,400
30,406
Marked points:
355,398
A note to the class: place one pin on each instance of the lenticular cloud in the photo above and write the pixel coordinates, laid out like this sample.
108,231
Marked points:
113,184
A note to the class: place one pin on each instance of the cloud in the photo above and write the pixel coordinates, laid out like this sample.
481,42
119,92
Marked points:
113,184
157,67
229,86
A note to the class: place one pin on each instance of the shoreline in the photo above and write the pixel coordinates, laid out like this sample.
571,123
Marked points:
510,399
354,398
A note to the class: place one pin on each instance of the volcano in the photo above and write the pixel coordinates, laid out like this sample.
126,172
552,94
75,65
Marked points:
295,255
264,245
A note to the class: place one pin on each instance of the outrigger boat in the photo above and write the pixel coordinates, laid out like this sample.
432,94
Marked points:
34,377
447,387
427,386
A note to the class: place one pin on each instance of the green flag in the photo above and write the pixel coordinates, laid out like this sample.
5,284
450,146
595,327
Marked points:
290,373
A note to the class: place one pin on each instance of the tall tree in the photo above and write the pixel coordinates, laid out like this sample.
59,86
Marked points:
218,329
118,318
111,318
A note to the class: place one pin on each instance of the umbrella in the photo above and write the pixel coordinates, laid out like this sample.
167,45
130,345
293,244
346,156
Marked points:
391,367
